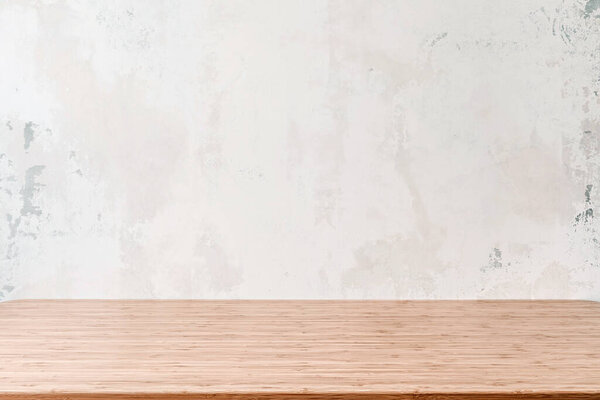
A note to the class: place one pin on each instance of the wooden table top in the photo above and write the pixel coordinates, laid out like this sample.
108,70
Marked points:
242,350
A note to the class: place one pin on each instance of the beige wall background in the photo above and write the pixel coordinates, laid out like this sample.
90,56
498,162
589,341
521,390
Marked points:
300,149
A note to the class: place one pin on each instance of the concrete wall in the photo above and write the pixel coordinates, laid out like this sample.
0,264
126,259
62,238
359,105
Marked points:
300,149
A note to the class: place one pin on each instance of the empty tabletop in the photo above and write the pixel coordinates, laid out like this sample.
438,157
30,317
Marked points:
242,350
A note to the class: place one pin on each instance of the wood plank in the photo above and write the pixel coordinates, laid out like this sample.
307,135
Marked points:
328,350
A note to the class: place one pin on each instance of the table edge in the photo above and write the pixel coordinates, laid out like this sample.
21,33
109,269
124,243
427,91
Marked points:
537,395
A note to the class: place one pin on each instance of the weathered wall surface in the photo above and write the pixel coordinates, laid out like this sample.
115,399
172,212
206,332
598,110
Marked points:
300,149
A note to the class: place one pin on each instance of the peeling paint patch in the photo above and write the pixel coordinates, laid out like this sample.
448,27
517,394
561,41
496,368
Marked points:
438,38
591,6
587,215
6,289
586,230
29,189
494,260
28,134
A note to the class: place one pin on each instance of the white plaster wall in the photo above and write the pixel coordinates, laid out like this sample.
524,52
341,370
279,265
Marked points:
300,149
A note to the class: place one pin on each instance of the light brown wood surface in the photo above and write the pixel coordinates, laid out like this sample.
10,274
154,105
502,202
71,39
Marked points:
241,350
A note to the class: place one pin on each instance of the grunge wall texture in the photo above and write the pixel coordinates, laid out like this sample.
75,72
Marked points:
300,149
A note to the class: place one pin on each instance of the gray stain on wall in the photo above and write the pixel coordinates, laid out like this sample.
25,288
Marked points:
586,225
591,6
438,38
494,260
28,134
30,187
587,215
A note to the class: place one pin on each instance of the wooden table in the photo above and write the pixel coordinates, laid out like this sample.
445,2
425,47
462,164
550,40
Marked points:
242,350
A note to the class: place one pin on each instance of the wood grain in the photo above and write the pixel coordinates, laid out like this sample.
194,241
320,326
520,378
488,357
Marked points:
328,350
